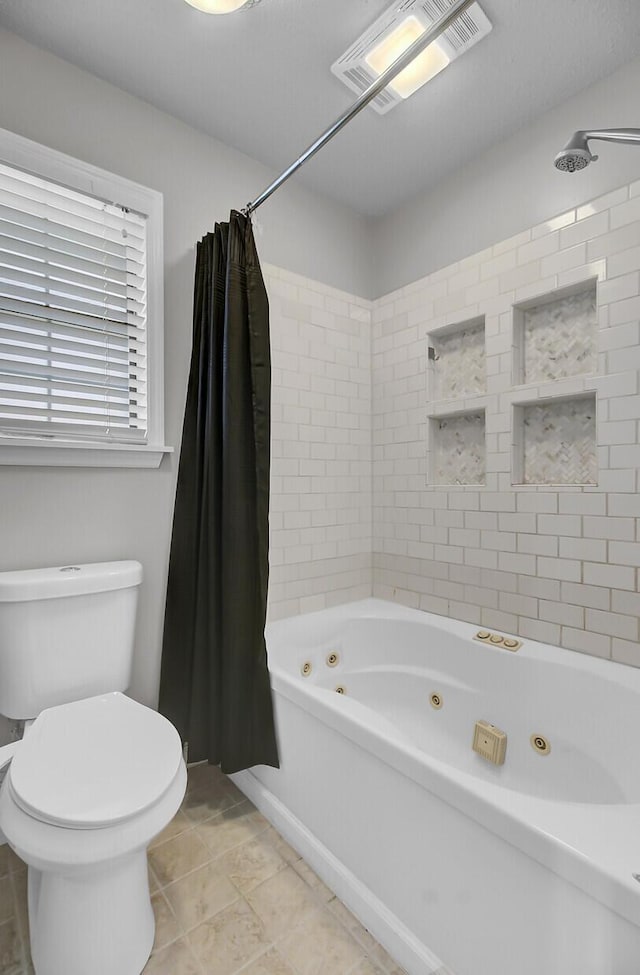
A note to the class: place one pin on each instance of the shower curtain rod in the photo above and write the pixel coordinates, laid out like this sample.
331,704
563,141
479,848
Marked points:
374,89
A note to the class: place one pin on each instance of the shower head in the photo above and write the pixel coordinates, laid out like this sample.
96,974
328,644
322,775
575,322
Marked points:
577,155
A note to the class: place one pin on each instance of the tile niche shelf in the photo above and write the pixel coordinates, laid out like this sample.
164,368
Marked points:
554,335
457,361
555,441
555,355
457,451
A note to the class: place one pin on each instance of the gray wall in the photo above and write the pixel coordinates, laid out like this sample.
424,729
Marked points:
52,516
509,188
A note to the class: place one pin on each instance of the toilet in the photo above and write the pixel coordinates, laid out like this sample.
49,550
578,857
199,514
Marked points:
96,775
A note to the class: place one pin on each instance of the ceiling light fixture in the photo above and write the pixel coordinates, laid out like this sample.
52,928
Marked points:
393,33
421,70
221,6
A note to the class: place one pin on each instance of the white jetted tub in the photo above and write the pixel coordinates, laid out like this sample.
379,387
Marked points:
521,869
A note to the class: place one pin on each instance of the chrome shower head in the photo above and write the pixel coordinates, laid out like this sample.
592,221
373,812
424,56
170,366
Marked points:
571,160
575,155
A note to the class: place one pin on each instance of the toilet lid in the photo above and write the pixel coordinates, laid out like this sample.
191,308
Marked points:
95,762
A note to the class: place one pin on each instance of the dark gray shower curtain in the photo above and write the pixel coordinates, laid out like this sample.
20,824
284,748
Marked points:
214,683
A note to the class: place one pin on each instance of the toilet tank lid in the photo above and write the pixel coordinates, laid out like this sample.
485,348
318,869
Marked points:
68,580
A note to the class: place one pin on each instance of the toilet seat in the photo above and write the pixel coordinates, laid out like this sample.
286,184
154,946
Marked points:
94,763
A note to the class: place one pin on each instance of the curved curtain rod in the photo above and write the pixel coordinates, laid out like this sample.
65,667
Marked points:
374,89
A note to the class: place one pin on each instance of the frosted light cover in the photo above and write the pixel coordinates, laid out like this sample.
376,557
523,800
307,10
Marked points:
217,6
422,69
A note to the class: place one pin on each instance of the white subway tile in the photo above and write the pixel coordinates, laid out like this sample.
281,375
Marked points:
613,624
625,213
582,504
625,652
498,265
563,613
614,242
586,229
538,545
625,553
556,223
603,203
624,505
564,260
622,263
521,522
512,243
560,525
540,247
564,569
434,604
582,595
465,611
587,549
513,562
538,502
543,632
623,311
481,596
548,589
612,576
620,288
495,619
520,605
592,643
480,557
612,528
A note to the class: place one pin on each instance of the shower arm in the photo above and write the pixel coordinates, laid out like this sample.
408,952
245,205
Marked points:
629,136
374,89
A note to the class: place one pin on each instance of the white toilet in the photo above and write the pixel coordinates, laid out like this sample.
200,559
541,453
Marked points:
96,775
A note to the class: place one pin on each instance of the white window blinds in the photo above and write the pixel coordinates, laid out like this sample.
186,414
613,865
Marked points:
73,300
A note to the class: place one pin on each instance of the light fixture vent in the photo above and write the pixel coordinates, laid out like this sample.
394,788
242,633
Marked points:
357,73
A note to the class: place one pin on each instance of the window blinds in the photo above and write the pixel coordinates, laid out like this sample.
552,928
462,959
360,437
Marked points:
73,299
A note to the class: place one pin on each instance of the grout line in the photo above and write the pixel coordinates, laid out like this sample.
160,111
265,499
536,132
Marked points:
23,936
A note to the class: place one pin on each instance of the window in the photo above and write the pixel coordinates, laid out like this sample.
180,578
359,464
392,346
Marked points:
80,313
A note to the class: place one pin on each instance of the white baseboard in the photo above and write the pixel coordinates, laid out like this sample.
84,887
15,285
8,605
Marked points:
386,928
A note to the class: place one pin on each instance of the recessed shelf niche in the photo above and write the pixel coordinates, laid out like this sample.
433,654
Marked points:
457,361
555,335
555,441
457,448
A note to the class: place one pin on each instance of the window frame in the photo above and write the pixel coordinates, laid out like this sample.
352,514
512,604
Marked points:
57,167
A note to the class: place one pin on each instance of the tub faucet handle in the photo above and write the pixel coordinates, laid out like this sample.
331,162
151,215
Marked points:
490,742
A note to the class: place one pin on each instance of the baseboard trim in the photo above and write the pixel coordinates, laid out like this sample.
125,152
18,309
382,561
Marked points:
386,928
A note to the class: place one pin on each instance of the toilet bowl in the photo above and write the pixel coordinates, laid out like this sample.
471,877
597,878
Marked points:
90,785
96,775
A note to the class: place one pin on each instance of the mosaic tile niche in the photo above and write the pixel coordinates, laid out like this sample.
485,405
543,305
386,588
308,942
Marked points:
458,361
557,442
458,449
556,337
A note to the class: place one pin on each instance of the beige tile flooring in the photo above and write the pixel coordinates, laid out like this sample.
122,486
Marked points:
230,896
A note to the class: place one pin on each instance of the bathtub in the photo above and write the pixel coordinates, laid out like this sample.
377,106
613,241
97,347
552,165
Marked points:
521,869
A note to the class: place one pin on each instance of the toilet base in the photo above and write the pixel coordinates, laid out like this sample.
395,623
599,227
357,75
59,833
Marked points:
102,924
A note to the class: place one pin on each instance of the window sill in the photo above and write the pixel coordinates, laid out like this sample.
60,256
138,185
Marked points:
26,452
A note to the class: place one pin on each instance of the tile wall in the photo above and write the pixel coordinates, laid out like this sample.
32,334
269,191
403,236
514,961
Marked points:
321,533
506,481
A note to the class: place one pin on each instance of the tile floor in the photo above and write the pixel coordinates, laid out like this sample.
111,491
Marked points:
230,896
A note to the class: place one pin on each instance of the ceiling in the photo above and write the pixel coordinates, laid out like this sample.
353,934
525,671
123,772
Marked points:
260,80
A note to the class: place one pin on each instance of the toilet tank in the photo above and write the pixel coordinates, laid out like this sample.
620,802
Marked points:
66,633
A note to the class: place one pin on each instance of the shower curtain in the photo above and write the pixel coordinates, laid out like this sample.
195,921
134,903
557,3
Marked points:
214,683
